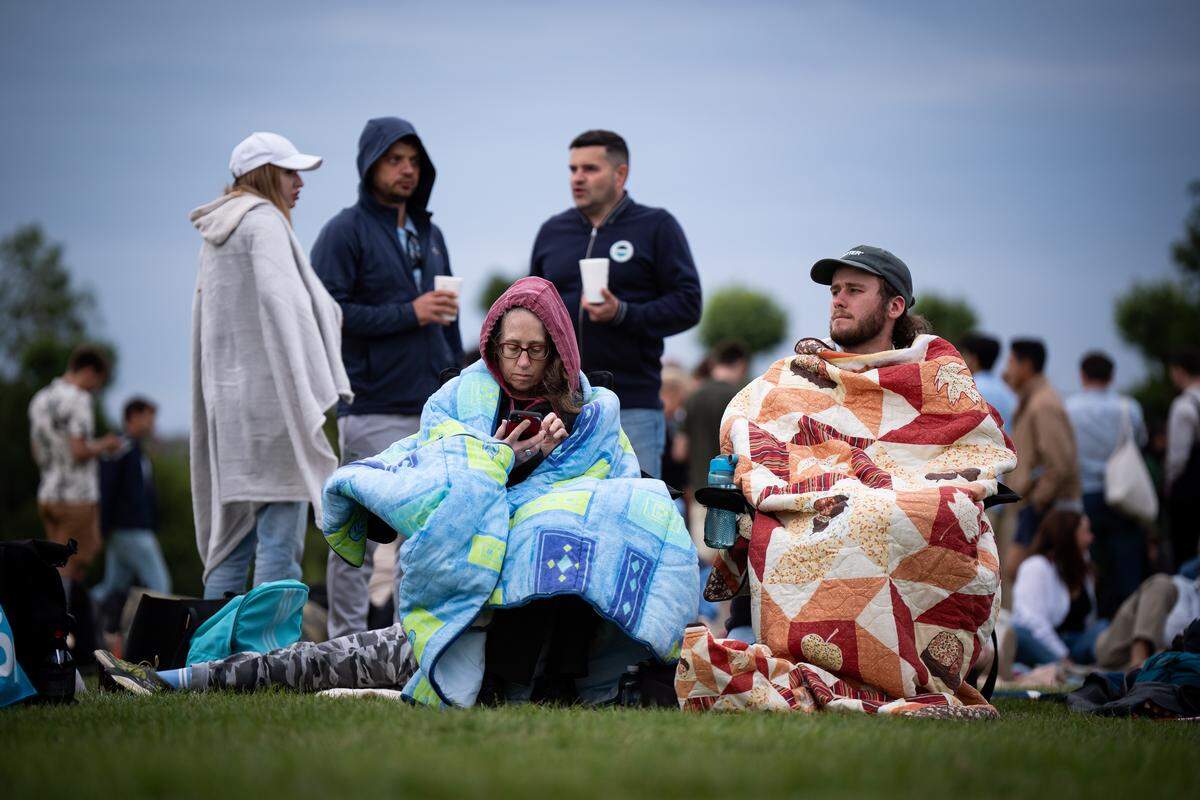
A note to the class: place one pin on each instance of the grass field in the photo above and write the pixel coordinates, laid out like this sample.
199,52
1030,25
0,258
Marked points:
296,746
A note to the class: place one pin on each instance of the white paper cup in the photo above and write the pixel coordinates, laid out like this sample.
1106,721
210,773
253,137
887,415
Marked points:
594,272
448,283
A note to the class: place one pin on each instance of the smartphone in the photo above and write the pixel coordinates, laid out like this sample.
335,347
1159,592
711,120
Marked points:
516,418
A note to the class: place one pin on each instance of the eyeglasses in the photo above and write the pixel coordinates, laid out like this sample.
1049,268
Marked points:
512,351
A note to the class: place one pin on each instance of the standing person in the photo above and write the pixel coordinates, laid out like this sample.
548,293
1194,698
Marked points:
676,387
378,258
1101,420
129,511
1047,472
62,430
700,435
653,289
980,353
1183,457
266,364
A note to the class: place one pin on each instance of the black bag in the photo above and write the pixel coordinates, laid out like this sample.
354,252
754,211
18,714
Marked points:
31,592
162,628
650,684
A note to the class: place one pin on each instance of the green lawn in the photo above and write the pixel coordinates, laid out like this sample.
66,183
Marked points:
295,746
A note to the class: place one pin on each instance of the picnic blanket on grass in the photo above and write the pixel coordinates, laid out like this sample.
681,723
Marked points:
583,523
872,570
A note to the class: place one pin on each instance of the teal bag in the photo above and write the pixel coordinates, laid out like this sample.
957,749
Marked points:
1172,666
266,618
14,686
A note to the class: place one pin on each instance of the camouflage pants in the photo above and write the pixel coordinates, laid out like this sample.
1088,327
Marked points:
378,659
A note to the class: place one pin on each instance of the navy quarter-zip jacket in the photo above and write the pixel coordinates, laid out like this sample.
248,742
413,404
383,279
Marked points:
393,362
650,269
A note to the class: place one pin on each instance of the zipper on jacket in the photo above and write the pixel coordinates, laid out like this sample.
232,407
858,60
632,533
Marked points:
592,243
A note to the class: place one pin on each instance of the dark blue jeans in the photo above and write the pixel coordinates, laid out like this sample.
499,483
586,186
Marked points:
1028,522
1118,553
1081,644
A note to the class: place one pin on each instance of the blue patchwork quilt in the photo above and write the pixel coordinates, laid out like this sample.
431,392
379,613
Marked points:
584,523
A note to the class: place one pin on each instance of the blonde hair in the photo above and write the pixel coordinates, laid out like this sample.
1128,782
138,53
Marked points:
264,182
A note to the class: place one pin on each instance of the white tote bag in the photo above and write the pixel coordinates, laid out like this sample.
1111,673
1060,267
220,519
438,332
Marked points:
1127,484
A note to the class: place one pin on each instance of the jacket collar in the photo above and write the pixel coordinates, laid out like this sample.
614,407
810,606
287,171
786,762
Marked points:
387,214
624,203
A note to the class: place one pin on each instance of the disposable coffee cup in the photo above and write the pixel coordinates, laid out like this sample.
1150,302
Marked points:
448,283
594,272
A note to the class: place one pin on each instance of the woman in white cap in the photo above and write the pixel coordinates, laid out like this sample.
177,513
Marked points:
266,365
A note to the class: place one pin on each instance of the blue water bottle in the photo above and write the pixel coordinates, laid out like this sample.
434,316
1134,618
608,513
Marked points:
720,525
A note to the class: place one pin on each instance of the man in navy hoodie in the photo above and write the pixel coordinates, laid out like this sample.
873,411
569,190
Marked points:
378,258
653,289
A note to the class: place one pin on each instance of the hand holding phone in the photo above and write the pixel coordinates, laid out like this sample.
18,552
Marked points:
516,418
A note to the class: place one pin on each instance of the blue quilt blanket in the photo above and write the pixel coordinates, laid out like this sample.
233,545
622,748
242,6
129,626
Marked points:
583,523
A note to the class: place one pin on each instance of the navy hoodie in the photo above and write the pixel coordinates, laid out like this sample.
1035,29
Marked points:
650,269
392,361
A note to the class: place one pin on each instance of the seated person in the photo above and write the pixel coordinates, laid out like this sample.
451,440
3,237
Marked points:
866,577
540,559
1054,598
497,517
1148,621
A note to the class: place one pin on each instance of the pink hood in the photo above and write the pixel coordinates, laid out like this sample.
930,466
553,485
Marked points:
538,296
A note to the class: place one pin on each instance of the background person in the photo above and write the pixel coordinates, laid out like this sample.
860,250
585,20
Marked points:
1101,420
699,439
1183,457
653,288
1148,621
378,259
266,364
129,511
980,353
1054,604
1047,472
62,430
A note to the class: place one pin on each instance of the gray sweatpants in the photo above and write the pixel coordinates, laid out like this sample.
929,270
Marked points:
379,659
361,436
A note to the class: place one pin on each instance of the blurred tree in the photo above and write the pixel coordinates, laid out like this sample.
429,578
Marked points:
38,303
743,315
952,318
493,287
1158,318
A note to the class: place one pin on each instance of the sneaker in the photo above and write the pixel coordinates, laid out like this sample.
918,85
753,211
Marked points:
136,678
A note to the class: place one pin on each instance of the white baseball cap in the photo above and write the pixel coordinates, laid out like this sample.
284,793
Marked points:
261,148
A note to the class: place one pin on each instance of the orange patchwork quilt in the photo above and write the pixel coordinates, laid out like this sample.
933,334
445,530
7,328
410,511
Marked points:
871,567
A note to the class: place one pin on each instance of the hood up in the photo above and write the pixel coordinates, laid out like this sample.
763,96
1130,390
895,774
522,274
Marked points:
538,296
217,220
377,136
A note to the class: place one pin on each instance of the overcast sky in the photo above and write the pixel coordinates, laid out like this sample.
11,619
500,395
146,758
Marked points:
1031,157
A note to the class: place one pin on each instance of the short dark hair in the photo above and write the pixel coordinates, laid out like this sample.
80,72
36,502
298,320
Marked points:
1097,366
1188,360
137,405
984,348
1031,350
614,146
729,353
89,356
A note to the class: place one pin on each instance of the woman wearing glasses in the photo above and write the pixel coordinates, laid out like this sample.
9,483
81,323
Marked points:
523,351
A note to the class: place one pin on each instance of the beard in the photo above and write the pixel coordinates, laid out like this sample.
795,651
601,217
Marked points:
866,329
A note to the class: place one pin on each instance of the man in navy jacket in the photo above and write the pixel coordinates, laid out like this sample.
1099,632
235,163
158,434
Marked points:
378,258
129,511
653,289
